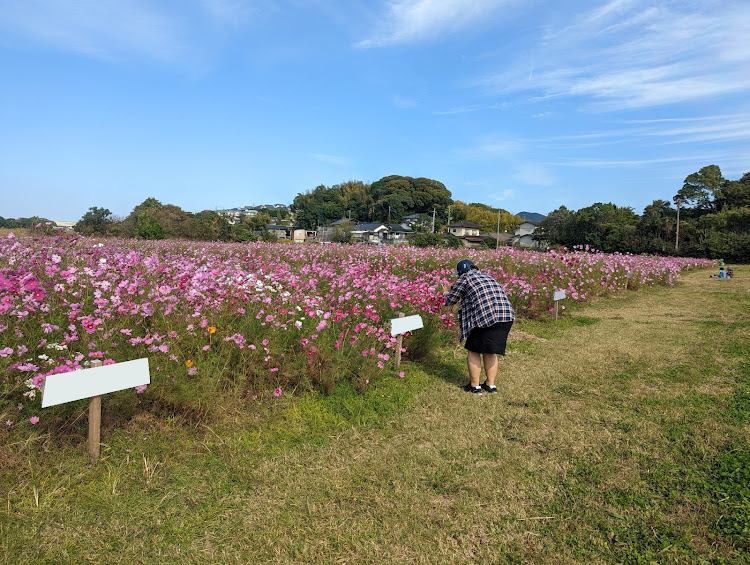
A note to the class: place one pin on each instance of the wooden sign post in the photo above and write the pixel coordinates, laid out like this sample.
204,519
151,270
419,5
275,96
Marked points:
93,383
95,422
559,295
401,325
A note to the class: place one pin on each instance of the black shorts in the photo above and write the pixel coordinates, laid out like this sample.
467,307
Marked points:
489,340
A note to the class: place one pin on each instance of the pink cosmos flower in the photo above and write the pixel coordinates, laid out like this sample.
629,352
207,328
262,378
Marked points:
277,392
401,374
140,389
34,419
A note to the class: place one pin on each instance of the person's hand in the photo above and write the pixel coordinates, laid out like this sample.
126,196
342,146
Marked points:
445,288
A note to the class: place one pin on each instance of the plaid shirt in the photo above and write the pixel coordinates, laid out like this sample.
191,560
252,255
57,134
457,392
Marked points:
483,302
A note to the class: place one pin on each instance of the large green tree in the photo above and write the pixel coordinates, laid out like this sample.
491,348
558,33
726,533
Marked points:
703,190
96,221
395,197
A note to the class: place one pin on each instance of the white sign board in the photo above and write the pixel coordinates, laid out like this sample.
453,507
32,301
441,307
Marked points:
559,294
407,324
86,383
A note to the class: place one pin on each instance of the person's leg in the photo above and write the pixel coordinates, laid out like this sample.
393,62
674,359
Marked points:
490,368
474,362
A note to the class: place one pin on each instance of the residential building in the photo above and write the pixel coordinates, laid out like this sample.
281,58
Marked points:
463,229
370,233
524,235
397,234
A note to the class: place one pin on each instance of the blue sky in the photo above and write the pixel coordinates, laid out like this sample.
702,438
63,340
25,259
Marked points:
523,104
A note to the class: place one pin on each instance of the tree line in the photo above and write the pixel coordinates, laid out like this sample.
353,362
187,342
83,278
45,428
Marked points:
390,200
710,218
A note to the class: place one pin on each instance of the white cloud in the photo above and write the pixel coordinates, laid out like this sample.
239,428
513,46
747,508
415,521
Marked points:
416,20
332,159
491,148
94,28
630,54
506,194
469,109
403,102
116,29
533,174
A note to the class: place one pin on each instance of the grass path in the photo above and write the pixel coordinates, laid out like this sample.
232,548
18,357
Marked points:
605,444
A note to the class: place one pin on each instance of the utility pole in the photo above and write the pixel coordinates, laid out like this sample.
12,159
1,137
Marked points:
433,220
497,241
678,200
449,215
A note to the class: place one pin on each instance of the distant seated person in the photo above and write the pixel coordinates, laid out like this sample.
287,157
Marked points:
730,273
722,274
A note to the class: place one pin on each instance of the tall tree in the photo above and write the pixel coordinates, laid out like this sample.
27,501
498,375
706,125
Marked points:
94,222
555,229
399,196
703,189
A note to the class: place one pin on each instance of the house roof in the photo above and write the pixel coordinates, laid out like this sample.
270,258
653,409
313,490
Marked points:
368,227
275,227
344,221
399,228
465,225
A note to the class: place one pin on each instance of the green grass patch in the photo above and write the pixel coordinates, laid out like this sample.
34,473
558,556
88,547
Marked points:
610,441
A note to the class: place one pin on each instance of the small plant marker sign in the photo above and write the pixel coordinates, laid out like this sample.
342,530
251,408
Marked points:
92,383
401,325
559,295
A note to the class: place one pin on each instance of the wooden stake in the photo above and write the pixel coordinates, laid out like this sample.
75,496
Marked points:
398,345
95,422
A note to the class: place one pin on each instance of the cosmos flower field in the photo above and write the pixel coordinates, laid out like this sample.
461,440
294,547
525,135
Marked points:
259,318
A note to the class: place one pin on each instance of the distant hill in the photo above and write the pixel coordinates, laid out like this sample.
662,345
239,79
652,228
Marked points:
531,216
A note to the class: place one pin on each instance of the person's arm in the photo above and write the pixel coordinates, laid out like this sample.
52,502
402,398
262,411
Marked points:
456,292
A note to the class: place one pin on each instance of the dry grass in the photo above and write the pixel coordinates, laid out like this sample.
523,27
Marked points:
587,454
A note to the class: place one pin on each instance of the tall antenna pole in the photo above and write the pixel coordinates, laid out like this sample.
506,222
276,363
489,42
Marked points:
497,242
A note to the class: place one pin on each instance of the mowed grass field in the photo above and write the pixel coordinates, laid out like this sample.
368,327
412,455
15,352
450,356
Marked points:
620,434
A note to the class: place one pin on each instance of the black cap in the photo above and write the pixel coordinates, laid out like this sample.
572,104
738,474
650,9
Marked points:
464,266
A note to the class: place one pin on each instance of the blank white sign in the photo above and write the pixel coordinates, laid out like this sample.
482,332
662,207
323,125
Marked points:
559,294
407,324
67,387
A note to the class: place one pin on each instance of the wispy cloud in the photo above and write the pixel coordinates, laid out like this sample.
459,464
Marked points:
404,102
594,163
492,147
506,194
332,159
415,20
630,54
469,109
533,174
117,29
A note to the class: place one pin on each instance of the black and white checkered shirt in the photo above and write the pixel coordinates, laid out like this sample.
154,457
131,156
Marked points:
483,302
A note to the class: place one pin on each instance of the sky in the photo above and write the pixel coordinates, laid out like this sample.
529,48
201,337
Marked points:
526,105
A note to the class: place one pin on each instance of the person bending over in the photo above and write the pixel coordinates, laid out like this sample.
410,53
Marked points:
485,316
